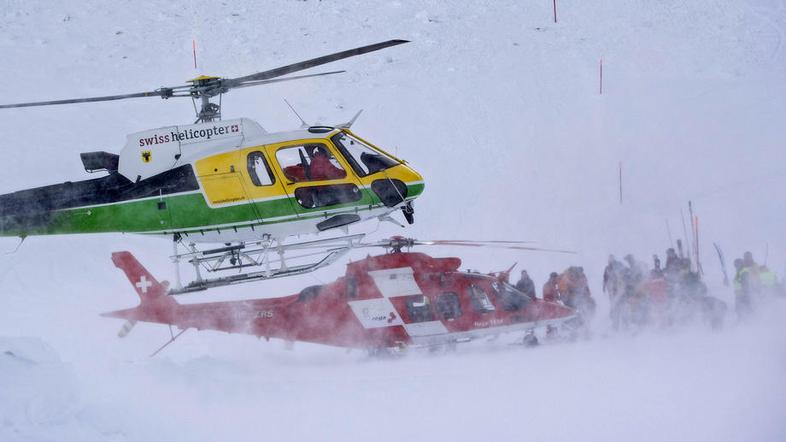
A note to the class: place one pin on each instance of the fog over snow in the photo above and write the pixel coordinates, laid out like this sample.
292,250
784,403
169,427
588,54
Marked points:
498,107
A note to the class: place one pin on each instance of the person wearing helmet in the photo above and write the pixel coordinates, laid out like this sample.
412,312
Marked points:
551,289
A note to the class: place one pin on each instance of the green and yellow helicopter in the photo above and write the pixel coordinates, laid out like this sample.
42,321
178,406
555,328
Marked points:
227,181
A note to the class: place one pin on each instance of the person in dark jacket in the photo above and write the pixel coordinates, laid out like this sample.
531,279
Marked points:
526,286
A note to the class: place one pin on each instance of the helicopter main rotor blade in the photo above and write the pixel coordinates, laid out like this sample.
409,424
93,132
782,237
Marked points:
492,246
295,67
533,249
473,241
214,86
276,80
163,93
411,242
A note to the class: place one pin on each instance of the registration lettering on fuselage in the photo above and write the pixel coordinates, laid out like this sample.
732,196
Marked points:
489,323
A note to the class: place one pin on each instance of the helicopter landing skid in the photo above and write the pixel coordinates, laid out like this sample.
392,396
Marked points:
275,259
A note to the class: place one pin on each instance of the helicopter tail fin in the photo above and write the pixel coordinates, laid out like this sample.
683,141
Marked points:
145,284
155,304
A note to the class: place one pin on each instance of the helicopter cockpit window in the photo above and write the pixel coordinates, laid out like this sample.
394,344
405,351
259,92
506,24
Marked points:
309,162
259,170
448,306
419,308
480,300
363,159
509,297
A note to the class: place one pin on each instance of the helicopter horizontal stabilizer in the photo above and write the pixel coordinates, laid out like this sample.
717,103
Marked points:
100,161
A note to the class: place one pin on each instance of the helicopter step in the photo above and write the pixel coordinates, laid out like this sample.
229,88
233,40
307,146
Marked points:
275,259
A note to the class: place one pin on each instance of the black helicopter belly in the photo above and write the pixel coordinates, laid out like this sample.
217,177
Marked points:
32,208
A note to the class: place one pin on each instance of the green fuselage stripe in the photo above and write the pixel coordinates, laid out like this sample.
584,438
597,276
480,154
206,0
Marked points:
179,213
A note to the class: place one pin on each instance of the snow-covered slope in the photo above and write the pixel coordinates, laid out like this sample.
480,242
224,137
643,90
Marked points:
499,108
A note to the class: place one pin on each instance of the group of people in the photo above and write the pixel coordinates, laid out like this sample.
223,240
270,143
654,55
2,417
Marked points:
661,295
752,283
570,288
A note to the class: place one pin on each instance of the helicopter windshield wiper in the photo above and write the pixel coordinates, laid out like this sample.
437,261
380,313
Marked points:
204,87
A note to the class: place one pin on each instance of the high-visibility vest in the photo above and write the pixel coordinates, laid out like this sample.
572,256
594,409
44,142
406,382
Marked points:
767,278
738,279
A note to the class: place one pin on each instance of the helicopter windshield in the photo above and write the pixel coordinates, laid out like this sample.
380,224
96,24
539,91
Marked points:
363,159
480,300
510,298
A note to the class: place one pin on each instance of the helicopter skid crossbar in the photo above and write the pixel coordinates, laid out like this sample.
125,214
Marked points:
258,254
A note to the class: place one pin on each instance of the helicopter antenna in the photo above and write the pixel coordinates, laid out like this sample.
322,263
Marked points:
303,123
349,123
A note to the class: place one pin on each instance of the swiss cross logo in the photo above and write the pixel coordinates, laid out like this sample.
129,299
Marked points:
143,284
235,128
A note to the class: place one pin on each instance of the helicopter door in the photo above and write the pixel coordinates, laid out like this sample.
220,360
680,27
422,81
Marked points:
264,186
318,183
224,189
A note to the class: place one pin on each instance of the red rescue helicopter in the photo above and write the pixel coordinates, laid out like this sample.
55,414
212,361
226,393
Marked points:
396,300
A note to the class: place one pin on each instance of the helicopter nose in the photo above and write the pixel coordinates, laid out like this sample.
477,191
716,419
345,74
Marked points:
415,183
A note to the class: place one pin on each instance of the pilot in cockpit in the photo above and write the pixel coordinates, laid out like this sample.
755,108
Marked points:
321,166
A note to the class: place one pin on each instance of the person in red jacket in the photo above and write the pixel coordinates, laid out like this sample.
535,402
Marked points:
322,169
550,288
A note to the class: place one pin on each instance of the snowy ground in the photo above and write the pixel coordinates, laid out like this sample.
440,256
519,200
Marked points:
498,107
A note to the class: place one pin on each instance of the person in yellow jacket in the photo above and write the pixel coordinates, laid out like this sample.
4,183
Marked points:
768,282
742,290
